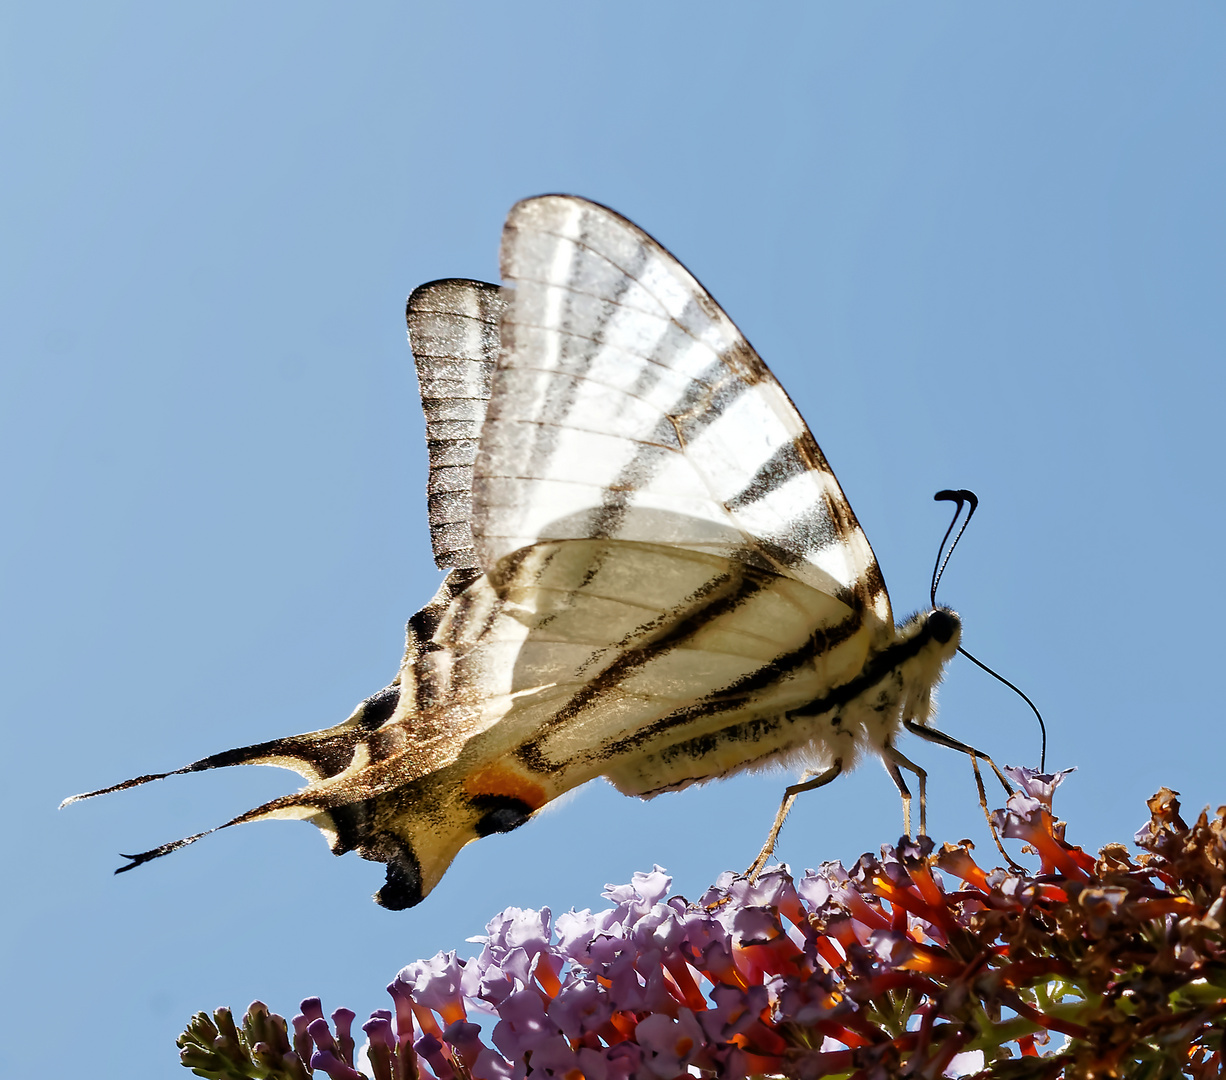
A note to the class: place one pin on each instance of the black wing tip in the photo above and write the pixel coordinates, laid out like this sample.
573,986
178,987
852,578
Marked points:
395,899
147,856
137,860
157,852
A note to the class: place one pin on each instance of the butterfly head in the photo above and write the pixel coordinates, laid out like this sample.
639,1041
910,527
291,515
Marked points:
937,631
926,643
945,627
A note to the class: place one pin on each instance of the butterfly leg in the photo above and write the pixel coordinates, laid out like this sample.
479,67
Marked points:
932,735
789,797
893,758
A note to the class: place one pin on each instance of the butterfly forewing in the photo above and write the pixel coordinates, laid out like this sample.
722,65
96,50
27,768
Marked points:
628,405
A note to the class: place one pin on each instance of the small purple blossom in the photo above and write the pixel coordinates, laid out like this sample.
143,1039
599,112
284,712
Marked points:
434,985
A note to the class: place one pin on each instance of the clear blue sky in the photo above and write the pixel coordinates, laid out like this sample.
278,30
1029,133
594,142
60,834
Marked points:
982,246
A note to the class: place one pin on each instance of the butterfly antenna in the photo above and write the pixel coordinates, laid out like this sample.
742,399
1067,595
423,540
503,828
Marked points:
1034,708
968,498
963,498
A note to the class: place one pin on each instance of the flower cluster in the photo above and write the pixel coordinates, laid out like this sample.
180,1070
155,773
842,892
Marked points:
878,971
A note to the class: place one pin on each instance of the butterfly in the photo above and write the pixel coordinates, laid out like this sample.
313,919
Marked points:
652,572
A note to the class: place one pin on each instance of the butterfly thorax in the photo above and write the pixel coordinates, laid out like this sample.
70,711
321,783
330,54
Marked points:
897,683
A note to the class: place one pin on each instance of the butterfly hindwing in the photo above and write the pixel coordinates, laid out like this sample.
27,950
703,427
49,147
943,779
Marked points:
453,328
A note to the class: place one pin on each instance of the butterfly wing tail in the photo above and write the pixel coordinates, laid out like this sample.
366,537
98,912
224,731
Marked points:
136,781
313,756
416,829
416,832
387,809
288,806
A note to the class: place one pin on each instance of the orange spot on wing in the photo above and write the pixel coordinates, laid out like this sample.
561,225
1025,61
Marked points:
501,779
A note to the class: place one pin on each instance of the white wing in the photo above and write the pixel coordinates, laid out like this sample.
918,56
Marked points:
626,405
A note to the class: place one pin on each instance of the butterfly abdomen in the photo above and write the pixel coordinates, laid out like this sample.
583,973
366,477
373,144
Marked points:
852,717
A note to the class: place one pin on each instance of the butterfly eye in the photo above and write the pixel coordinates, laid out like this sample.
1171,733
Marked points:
943,625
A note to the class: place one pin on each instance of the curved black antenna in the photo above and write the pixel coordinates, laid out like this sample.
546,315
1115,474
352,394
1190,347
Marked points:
962,496
1038,715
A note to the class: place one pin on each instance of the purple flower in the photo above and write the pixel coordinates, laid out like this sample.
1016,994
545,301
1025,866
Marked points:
877,971
1037,785
581,1008
434,984
668,1044
643,892
524,1025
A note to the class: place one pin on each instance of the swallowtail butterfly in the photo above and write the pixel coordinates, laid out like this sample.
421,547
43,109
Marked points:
653,575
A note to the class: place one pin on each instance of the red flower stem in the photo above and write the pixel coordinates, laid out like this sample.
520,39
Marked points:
864,912
932,961
850,1026
765,1040
1174,905
691,996
899,980
547,978
1051,851
425,1020
916,905
829,951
